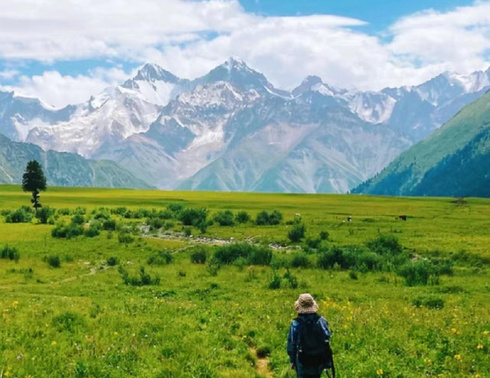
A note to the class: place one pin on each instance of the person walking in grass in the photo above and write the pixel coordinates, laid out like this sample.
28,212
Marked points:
309,340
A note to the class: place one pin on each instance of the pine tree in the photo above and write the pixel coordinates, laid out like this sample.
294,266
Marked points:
34,181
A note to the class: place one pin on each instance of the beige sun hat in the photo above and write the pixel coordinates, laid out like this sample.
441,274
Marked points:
305,304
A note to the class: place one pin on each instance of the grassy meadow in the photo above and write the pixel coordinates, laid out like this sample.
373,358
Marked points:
136,298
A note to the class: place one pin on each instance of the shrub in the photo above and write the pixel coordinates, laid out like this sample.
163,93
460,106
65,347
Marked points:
22,215
300,260
313,243
224,218
155,223
213,266
78,219
63,230
192,217
53,260
119,211
199,255
144,279
9,253
275,282
385,245
44,213
429,302
80,210
324,235
292,280
297,233
112,261
161,258
125,238
417,272
253,255
92,231
266,219
64,211
175,207
242,217
109,225
332,256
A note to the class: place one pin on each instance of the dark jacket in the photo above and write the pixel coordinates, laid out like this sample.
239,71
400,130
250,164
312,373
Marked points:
292,347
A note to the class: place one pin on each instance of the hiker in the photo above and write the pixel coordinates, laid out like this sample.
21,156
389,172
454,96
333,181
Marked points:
309,340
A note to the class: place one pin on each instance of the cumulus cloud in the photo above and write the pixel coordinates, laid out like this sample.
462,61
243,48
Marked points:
191,37
60,90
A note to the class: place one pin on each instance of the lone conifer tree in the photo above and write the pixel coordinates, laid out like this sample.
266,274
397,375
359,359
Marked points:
34,181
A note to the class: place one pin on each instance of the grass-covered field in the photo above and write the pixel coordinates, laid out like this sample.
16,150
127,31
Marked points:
230,320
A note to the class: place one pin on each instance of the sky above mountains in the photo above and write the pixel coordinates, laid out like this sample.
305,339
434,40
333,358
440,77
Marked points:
64,51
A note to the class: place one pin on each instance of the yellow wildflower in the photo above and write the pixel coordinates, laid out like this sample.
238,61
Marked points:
485,332
379,371
457,356
53,343
454,330
480,346
116,333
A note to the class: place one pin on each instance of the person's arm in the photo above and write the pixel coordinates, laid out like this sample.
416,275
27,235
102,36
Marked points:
292,343
325,328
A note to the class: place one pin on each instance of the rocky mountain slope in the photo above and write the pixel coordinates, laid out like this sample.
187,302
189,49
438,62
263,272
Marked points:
62,168
233,130
453,161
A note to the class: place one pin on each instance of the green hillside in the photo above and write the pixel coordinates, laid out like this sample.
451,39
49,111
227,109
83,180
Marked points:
451,162
62,168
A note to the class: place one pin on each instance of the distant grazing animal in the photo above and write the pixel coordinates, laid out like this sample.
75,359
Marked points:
349,219
402,217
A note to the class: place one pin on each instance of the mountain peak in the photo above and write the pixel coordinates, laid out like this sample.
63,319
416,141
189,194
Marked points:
233,63
306,85
153,72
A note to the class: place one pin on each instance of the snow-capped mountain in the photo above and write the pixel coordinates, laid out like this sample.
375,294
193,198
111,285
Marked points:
231,129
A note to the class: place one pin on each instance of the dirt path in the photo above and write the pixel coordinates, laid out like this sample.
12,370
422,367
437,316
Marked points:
262,365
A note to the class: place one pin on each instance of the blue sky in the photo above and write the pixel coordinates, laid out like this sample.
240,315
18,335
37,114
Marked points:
378,13
65,51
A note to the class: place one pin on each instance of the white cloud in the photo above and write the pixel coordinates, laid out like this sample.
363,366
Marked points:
190,38
57,90
9,74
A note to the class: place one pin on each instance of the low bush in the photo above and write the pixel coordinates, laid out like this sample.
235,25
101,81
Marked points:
193,217
44,213
62,230
418,272
22,215
93,230
268,219
78,219
297,233
275,282
429,302
385,245
143,279
199,255
224,218
125,238
160,258
242,217
64,211
109,225
300,260
112,261
53,261
9,253
253,255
